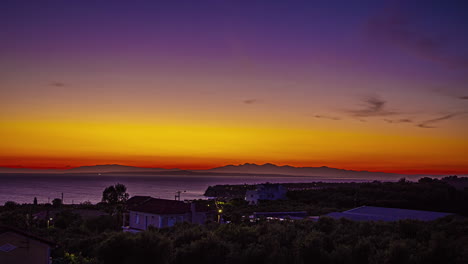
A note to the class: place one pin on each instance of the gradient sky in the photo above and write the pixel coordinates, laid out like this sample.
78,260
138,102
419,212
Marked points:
375,85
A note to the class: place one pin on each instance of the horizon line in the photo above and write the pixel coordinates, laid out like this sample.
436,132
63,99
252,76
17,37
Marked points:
402,171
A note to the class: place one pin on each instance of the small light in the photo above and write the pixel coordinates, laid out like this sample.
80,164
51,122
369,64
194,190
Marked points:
50,218
220,211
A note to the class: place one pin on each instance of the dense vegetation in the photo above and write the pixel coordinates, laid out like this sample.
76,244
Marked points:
325,241
321,198
424,195
99,239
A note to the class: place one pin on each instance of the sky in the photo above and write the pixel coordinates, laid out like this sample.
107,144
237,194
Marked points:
364,85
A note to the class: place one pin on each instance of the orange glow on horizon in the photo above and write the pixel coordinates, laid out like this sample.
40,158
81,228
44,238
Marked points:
62,145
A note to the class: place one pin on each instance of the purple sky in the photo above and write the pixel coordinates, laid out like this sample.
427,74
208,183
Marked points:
365,67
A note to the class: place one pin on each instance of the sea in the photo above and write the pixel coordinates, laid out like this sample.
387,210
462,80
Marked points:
23,188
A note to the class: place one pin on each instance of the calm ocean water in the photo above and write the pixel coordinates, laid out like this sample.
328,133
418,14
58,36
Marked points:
79,188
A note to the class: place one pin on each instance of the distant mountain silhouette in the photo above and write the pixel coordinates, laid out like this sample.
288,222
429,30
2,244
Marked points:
246,169
269,168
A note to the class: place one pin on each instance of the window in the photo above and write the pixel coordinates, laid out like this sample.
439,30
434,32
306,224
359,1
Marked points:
7,247
171,221
137,219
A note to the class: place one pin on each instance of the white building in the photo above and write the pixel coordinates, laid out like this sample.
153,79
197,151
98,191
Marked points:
266,192
145,211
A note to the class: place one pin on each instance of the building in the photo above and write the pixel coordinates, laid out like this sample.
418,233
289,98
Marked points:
299,215
19,247
372,213
145,211
266,192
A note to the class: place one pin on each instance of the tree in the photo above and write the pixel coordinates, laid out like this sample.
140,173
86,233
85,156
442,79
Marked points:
56,202
35,201
115,194
425,180
402,180
209,249
144,247
65,219
115,197
10,205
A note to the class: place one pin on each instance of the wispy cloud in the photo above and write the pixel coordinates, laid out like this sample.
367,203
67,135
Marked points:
250,101
393,27
372,106
430,123
398,121
57,84
444,91
327,117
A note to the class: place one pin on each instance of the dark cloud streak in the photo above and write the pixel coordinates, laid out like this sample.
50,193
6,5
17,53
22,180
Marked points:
250,101
429,123
327,117
373,106
398,121
57,84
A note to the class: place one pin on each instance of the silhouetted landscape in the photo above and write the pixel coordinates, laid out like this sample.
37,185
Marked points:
237,232
247,169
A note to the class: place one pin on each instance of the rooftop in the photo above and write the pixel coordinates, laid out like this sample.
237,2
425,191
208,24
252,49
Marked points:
147,204
161,206
4,229
137,200
278,214
372,213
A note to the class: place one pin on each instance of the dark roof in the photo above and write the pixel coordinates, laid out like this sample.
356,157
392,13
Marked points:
280,214
372,213
270,186
137,200
4,229
203,208
161,206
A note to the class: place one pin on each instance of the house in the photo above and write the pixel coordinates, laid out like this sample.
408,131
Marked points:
372,213
145,211
266,192
18,247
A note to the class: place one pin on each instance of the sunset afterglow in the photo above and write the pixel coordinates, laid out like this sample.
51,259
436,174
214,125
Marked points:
201,85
